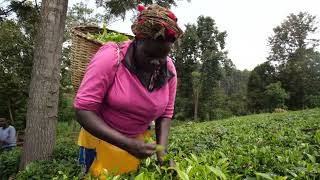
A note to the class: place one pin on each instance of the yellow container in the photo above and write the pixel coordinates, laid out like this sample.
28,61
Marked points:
115,160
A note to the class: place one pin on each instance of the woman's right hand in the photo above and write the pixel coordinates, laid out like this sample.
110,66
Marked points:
140,149
98,128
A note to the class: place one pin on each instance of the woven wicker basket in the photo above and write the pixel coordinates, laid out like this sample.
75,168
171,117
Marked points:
82,50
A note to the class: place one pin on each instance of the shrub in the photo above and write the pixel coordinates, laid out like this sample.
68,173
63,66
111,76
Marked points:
9,162
64,159
219,113
313,101
49,169
66,111
67,150
179,116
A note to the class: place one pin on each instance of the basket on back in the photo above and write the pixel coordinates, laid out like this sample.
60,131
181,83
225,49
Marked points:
82,50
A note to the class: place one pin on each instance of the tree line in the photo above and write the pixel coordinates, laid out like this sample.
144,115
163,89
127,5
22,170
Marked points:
210,86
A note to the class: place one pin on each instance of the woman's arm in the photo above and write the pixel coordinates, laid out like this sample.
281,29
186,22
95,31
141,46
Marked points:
163,123
98,128
162,132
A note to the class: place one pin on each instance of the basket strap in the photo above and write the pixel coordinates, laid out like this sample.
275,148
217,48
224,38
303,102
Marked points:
118,64
118,53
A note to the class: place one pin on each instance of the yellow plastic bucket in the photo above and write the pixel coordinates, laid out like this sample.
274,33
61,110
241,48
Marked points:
115,160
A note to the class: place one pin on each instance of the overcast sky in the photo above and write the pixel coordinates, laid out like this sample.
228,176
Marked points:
248,23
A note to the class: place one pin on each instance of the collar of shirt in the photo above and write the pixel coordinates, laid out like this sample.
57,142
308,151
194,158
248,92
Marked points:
156,81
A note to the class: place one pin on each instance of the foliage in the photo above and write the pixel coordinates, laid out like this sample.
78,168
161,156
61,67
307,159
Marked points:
201,49
301,80
261,76
293,35
237,103
234,81
67,132
185,56
284,144
116,8
221,113
78,15
64,159
212,54
66,111
313,101
9,162
275,96
196,86
234,84
293,50
106,36
49,169
16,55
271,146
294,61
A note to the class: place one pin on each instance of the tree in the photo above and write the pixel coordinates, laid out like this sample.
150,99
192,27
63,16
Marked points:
301,80
44,87
212,54
219,108
16,37
185,56
13,88
196,86
201,49
312,80
292,47
6,11
261,76
235,83
275,96
119,8
80,15
293,37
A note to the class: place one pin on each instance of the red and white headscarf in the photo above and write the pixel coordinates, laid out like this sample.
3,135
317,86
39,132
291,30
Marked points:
156,22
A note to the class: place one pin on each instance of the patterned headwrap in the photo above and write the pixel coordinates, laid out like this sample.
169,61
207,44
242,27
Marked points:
156,22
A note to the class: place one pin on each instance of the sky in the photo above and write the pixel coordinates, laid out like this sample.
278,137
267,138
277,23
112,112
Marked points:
248,23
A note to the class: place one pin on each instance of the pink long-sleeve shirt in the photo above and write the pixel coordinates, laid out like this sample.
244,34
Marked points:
117,95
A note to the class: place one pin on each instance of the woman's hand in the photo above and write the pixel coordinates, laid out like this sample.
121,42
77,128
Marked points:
160,156
98,128
162,132
140,149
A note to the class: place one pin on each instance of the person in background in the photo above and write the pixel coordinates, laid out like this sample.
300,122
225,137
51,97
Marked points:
8,137
117,100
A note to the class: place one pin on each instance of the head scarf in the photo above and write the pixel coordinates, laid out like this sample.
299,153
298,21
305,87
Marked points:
156,22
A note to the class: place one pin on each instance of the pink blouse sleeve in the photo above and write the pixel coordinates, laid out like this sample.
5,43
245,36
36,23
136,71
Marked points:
97,79
168,113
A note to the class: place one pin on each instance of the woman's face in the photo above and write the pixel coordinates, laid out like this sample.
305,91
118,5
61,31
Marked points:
151,54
